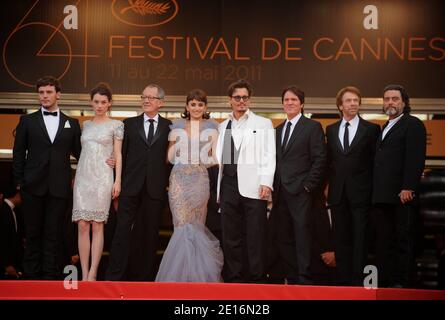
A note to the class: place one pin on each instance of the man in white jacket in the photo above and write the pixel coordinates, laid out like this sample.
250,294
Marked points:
246,153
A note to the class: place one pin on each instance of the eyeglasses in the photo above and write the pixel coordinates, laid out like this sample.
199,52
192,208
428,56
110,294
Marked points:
150,98
238,98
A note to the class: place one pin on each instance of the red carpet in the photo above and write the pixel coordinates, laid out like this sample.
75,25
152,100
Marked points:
54,290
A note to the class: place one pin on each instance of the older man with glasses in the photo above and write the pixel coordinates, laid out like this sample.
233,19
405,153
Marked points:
144,182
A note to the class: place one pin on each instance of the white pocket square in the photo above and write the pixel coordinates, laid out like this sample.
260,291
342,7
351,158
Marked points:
67,124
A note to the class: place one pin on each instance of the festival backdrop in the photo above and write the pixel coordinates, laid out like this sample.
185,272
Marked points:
319,45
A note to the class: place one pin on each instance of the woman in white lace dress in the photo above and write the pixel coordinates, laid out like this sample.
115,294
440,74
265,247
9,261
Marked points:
94,186
193,253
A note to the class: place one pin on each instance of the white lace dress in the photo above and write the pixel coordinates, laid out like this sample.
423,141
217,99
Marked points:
193,253
94,178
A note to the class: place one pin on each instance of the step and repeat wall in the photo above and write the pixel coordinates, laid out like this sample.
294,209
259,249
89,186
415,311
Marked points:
319,45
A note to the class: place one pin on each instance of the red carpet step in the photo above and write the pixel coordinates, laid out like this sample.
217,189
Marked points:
104,290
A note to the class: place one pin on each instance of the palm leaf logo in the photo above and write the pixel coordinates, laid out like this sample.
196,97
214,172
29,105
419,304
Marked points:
144,13
144,7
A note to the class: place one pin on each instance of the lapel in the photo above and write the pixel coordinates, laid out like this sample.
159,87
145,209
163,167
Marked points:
395,127
279,131
223,127
248,131
298,127
161,126
379,140
361,129
62,119
42,124
140,128
336,138
220,145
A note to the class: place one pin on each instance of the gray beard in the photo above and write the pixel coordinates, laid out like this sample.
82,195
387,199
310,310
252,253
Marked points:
391,111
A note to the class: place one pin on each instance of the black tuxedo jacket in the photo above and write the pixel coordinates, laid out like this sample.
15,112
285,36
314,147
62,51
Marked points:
142,162
303,162
40,166
351,171
399,160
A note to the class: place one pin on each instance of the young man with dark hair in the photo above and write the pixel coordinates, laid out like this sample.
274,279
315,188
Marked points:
43,144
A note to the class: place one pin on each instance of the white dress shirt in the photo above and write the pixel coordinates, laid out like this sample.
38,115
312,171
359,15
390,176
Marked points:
237,128
353,126
292,127
391,124
51,123
147,124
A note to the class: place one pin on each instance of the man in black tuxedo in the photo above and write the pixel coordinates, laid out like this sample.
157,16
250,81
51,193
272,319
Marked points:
145,174
43,144
351,148
301,160
398,167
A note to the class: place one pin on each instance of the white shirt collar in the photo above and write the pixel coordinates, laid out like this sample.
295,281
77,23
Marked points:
44,109
396,119
391,123
353,122
155,118
244,116
294,120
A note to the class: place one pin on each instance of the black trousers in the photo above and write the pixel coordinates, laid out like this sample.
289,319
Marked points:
243,223
293,220
395,244
43,217
136,238
350,223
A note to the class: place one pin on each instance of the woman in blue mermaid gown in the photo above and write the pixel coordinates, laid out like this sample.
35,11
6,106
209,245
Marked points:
193,253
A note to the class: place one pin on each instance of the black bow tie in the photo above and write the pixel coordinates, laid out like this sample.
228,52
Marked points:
48,113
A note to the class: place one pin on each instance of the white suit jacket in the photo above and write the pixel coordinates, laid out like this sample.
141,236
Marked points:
256,161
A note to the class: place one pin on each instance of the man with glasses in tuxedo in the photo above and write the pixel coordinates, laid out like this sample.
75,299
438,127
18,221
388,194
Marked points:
145,175
246,152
